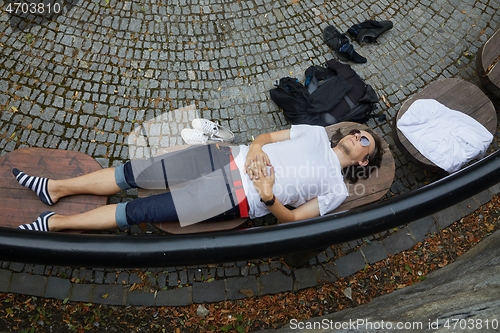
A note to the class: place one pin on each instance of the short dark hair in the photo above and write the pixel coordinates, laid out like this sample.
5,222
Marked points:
354,172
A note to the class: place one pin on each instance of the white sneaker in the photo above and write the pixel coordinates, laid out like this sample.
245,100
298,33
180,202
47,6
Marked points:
213,130
193,137
196,137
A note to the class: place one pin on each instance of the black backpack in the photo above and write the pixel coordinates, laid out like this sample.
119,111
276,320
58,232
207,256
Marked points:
330,94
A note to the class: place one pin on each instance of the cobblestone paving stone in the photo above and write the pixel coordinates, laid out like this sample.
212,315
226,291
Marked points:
86,78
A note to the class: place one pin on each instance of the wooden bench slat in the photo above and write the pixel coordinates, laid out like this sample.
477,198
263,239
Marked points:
19,205
175,228
491,49
488,64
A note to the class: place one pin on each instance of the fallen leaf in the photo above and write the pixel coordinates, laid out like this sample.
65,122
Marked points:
348,293
386,102
247,292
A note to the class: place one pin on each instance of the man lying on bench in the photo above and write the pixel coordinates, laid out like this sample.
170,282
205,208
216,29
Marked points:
300,167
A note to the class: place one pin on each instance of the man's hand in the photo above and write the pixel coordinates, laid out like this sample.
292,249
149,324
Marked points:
263,180
262,177
255,151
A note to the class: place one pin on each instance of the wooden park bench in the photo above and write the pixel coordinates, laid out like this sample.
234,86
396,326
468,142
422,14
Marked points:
19,205
457,95
488,64
363,192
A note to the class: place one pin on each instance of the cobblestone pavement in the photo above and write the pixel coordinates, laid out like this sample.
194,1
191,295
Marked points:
83,79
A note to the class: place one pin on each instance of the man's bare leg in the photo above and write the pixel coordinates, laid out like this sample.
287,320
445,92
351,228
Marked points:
100,182
102,218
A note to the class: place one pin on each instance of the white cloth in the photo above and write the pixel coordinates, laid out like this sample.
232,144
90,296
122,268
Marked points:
305,168
448,138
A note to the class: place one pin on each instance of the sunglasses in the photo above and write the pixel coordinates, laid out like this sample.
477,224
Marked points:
364,141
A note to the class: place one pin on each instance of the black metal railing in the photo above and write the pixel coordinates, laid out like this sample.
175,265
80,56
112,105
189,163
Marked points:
79,250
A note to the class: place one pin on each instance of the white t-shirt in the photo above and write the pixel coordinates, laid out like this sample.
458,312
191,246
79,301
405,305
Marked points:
305,168
448,138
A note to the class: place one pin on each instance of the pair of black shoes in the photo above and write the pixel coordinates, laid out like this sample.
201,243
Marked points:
367,31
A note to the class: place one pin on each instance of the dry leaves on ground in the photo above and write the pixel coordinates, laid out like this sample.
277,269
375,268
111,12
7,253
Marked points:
30,314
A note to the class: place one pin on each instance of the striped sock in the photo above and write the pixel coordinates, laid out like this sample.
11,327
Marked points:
41,223
37,184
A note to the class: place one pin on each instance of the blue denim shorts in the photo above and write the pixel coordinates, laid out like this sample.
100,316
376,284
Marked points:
201,183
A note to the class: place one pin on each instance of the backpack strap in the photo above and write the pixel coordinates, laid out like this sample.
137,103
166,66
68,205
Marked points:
352,106
350,102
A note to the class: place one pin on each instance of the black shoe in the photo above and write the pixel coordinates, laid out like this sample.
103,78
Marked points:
368,31
341,45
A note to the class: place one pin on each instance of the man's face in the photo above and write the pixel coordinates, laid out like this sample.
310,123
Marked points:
358,145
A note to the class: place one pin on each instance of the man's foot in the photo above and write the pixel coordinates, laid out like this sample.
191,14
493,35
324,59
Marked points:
38,185
213,130
41,223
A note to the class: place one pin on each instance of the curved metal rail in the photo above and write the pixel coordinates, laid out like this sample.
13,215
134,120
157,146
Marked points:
166,251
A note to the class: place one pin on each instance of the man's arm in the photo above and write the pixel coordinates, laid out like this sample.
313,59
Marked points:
306,211
255,148
263,181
